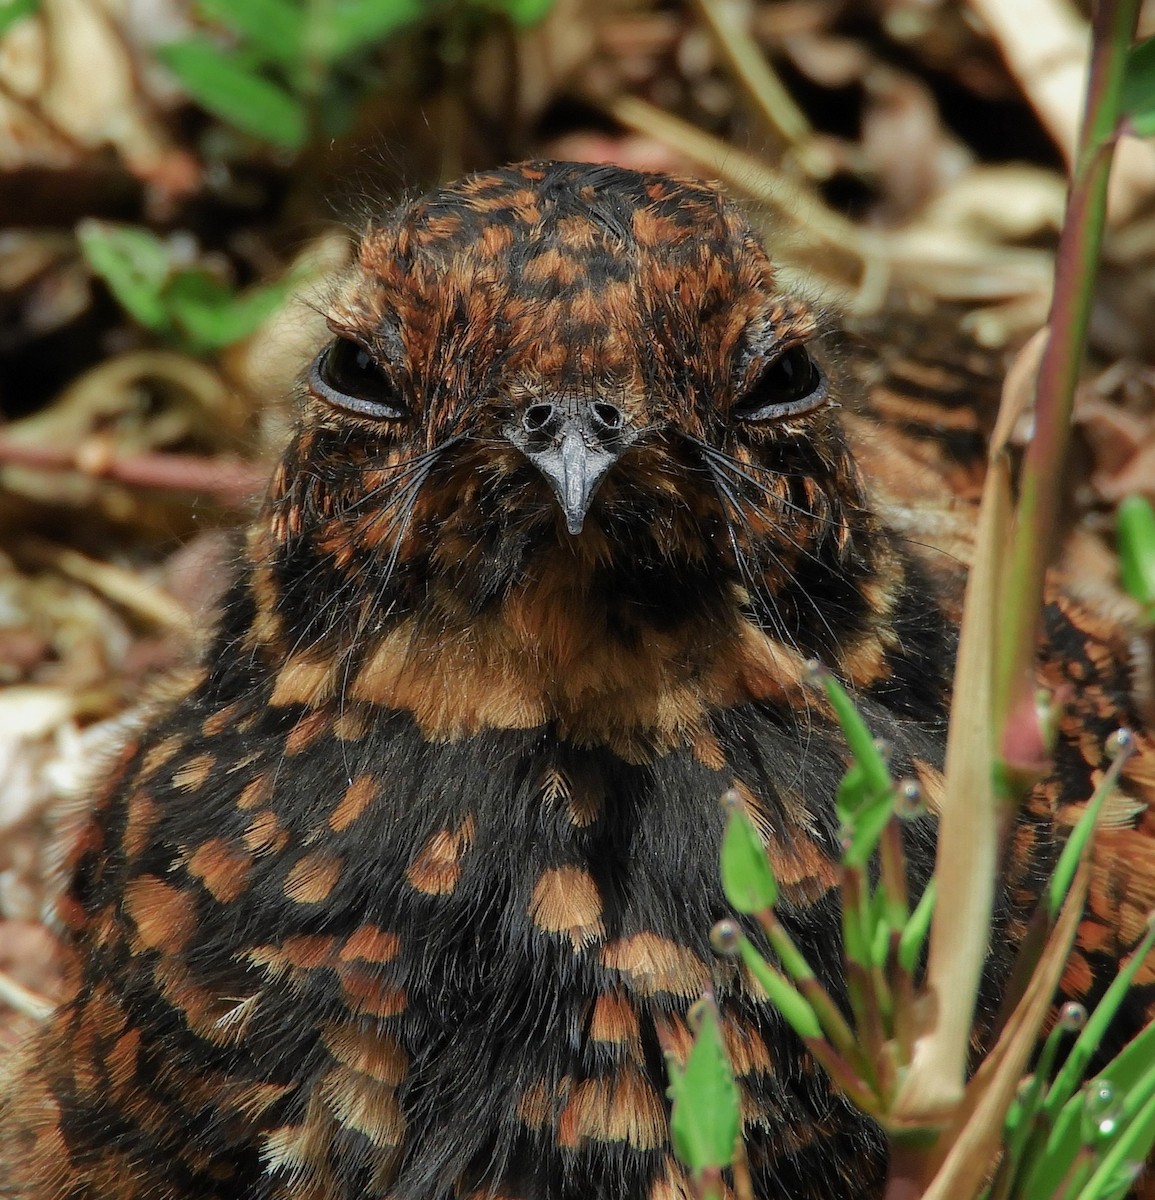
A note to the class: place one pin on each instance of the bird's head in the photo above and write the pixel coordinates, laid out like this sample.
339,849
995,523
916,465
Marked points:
560,388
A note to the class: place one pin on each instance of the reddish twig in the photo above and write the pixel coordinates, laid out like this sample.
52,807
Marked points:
1022,740
232,481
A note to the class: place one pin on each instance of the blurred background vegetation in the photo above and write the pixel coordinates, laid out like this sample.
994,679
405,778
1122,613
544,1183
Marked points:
180,178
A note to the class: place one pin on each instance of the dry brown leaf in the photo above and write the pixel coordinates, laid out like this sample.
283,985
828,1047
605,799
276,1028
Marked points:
1045,42
974,1148
69,85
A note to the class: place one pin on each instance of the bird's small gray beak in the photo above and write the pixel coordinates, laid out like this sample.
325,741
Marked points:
573,469
573,447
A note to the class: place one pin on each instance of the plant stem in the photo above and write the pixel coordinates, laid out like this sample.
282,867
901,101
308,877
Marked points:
231,480
784,119
892,864
834,1024
1036,522
708,1184
967,858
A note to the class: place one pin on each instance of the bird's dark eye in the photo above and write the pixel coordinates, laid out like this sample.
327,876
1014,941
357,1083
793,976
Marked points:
790,385
349,377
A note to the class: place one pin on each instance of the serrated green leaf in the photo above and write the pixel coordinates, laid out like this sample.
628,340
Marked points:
1137,99
705,1119
344,27
274,28
253,104
747,877
1135,525
211,315
135,265
12,11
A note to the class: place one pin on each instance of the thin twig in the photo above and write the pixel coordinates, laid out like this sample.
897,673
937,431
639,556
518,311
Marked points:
1036,519
967,856
24,1000
233,481
785,120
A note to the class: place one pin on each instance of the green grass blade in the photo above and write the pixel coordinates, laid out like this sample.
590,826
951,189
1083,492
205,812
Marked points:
1130,1147
1092,1033
1135,529
1064,872
1054,1159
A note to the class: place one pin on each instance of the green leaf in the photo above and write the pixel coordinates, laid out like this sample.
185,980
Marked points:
133,263
704,1123
1135,525
12,11
880,942
274,28
913,936
785,997
856,916
1018,1127
867,829
1096,1027
1046,1167
253,104
747,877
526,12
1025,1131
344,27
865,799
211,315
851,794
1131,1145
1133,1061
1062,1106
875,773
1137,99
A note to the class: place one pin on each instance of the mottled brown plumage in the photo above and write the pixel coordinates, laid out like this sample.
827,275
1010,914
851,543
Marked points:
410,890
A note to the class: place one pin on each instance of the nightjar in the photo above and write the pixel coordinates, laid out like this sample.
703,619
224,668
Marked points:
409,890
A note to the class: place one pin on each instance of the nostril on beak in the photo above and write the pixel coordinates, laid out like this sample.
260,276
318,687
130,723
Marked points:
537,417
606,418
